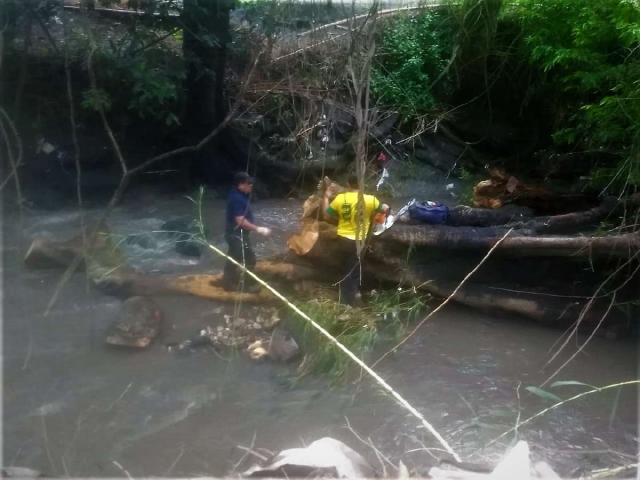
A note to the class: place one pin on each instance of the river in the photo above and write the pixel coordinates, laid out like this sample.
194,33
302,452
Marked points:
72,406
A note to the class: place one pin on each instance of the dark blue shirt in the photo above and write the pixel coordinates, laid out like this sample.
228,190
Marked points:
237,206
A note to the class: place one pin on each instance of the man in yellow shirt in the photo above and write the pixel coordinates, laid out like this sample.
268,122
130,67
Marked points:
353,224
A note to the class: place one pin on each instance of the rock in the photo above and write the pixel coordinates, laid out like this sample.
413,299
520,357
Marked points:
257,351
239,322
185,233
137,324
280,347
437,151
272,322
326,458
257,326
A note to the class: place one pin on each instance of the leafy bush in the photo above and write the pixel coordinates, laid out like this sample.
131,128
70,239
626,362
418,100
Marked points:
589,54
410,68
147,83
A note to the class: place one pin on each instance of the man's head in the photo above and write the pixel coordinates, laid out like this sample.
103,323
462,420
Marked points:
352,182
243,182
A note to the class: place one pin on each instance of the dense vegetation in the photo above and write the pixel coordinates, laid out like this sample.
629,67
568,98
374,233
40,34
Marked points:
568,69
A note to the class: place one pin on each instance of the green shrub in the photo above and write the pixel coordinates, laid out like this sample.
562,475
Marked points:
147,84
409,73
588,52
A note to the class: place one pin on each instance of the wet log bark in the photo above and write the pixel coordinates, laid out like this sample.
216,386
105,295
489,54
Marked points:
106,268
518,244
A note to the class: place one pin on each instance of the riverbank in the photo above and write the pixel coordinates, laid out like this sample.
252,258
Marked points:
73,406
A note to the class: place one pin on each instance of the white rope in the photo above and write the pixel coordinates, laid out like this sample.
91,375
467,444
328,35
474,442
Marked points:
348,352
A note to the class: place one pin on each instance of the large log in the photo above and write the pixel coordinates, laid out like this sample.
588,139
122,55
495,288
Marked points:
482,239
107,270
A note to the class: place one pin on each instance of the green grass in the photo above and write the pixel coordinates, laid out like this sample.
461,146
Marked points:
384,318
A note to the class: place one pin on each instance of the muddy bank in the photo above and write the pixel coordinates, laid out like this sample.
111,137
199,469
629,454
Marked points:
73,405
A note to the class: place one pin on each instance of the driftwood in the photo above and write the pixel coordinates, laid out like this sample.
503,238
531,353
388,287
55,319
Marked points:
503,188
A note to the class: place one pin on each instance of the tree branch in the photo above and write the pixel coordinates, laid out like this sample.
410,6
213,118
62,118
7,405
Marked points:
103,117
117,195
47,32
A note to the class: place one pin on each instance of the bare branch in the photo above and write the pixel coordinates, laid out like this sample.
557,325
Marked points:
449,298
103,117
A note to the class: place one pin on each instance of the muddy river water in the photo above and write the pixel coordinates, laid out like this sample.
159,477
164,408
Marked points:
72,406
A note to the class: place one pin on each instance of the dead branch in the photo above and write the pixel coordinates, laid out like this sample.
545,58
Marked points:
46,32
16,162
586,309
449,298
74,133
154,42
309,47
117,195
22,77
381,13
103,117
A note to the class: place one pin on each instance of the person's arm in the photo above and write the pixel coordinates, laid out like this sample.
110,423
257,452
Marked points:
243,223
379,207
328,213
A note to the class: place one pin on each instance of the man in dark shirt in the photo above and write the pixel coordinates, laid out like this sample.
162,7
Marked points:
239,223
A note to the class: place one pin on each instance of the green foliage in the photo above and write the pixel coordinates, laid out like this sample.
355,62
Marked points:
619,177
476,29
96,100
573,383
14,14
589,54
143,81
469,180
409,73
358,329
544,394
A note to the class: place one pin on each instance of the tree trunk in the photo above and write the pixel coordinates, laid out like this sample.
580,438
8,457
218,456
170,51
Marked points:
205,38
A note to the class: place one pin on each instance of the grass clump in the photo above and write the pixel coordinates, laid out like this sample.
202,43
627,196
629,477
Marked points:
384,318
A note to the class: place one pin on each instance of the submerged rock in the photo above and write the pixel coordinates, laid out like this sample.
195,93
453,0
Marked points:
280,347
258,337
137,324
185,234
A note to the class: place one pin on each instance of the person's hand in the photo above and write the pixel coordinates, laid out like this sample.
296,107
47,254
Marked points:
264,231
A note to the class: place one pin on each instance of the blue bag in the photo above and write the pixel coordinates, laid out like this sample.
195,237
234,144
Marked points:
429,212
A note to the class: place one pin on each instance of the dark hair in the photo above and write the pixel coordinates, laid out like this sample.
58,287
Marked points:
352,181
242,177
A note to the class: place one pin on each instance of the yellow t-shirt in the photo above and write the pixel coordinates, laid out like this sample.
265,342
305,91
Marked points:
344,207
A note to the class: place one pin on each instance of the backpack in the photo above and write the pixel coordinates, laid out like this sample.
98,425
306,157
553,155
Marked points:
429,212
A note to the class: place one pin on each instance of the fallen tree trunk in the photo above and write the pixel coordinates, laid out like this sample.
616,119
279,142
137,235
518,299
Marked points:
461,238
433,259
